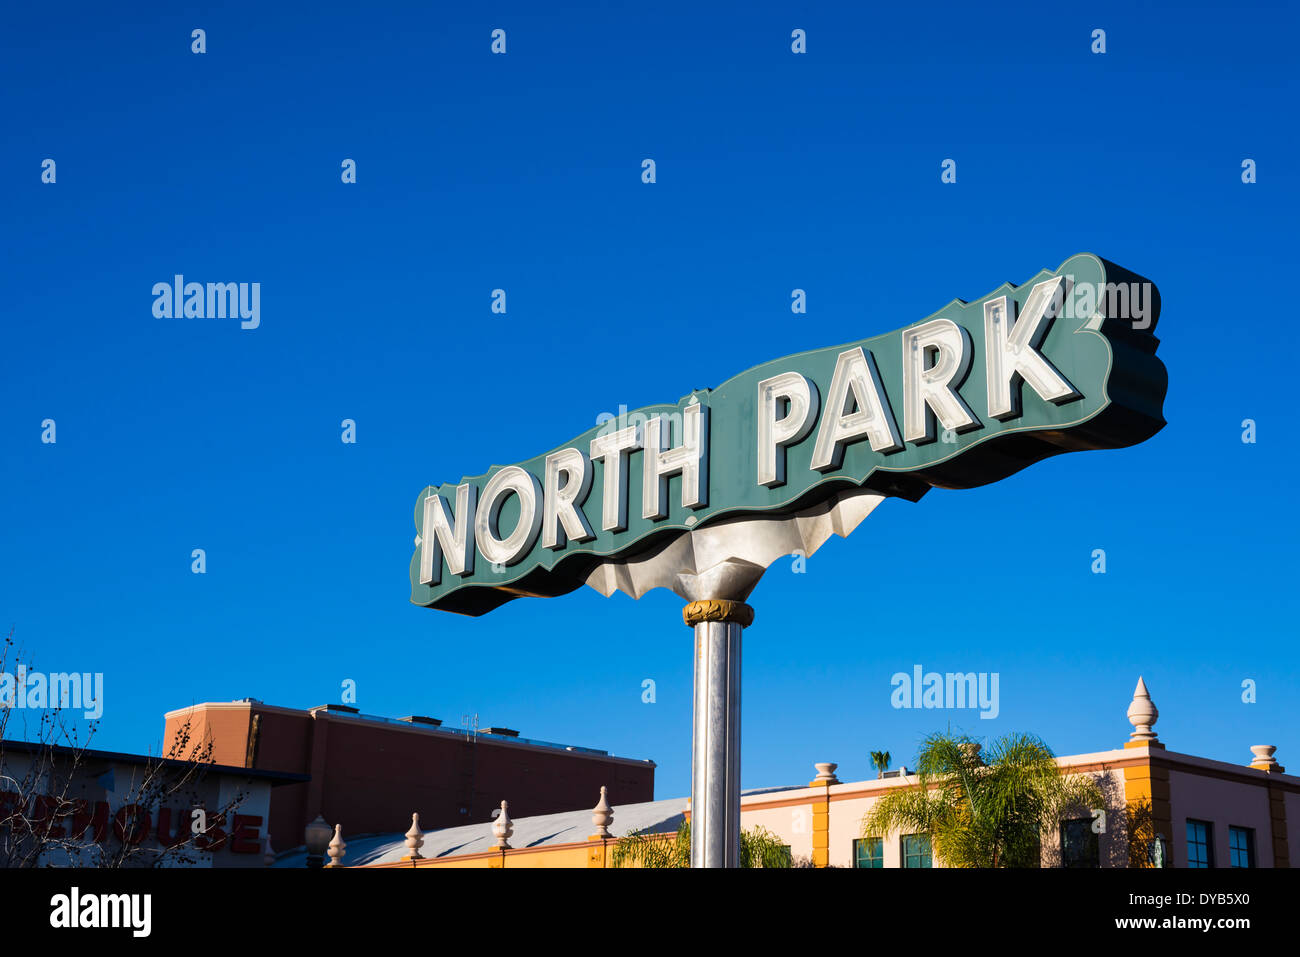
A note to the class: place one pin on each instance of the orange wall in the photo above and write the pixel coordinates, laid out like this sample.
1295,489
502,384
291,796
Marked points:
226,730
370,776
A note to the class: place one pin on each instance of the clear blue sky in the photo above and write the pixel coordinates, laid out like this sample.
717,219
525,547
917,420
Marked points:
522,172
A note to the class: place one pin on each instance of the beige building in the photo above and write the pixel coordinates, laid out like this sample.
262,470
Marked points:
1207,813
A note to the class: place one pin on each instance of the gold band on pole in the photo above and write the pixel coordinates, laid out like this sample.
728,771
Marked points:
714,609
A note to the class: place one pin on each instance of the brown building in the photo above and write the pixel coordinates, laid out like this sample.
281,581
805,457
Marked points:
369,774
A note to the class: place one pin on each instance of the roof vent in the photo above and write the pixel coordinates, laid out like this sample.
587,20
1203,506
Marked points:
503,732
421,719
346,709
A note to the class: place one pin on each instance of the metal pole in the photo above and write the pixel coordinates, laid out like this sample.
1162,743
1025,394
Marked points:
715,745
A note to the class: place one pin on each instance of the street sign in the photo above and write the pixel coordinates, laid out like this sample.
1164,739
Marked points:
969,395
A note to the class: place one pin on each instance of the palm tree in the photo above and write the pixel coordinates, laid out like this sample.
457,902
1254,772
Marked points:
759,847
984,813
880,761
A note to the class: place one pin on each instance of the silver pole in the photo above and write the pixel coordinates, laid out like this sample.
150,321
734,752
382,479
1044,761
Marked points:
715,747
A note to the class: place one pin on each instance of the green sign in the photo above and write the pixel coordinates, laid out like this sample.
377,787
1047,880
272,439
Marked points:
967,396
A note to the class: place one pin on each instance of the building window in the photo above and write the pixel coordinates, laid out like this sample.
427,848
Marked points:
1079,846
1200,843
1241,846
869,852
916,850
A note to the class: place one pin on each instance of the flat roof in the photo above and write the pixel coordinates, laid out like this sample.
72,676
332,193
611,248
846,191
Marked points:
349,714
32,747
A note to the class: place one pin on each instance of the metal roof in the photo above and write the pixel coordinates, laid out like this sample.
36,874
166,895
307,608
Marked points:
537,831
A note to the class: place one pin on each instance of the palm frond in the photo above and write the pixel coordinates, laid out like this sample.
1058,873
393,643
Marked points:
984,808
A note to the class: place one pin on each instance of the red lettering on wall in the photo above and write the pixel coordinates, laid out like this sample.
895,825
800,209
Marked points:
82,819
214,838
164,829
50,816
244,840
47,808
131,824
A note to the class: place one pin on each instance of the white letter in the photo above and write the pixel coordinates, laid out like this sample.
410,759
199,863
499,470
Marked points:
690,459
561,504
1011,352
932,391
142,914
856,407
439,536
526,488
59,916
612,451
799,399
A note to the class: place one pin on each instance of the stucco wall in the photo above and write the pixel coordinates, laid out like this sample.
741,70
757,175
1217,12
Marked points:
789,815
1224,803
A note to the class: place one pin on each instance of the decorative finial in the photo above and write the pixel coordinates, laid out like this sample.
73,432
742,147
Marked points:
826,773
503,828
1262,758
316,837
1142,714
415,838
602,815
337,848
